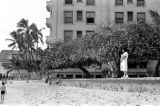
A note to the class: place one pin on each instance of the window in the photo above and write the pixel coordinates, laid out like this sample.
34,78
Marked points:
140,16
129,1
79,34
68,35
90,2
68,17
68,1
98,76
132,65
143,65
140,3
118,2
69,76
79,0
79,76
79,15
130,16
119,17
89,33
90,17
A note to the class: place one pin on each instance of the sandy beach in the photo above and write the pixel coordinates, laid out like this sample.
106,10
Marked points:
33,93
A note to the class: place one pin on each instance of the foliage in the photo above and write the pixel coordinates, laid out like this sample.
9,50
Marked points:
26,39
141,39
144,41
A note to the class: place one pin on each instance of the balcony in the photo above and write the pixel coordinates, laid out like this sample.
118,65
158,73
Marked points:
48,22
49,5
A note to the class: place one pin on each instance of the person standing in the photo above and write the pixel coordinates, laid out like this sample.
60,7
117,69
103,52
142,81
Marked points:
124,63
3,91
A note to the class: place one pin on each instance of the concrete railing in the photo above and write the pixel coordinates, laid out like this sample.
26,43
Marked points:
139,85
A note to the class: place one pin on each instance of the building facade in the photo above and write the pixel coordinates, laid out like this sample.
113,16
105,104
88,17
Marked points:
70,19
5,64
7,68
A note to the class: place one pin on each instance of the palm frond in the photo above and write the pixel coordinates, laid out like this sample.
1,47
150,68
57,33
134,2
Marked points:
13,34
10,40
41,39
155,16
33,26
23,23
12,44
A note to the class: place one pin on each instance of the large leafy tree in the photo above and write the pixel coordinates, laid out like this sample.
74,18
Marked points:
68,55
83,52
142,40
156,20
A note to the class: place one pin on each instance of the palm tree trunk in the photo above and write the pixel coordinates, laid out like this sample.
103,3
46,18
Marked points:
19,74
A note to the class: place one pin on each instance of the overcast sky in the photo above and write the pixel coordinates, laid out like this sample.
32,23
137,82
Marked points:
12,11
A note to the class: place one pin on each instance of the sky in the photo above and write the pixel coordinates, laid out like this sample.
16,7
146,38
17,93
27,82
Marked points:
12,11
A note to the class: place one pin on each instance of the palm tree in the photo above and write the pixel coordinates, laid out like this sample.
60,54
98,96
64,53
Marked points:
38,38
32,36
25,38
16,40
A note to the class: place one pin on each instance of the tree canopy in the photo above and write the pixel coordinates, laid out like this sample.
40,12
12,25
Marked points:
142,40
26,39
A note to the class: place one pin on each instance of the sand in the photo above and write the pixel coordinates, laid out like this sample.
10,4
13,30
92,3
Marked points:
33,93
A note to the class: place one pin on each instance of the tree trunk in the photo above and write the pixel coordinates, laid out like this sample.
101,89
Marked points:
87,73
156,71
118,72
19,74
35,60
28,77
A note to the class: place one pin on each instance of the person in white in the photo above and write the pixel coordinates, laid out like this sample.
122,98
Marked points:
124,63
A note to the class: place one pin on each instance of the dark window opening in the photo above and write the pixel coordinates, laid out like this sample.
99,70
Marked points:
132,65
140,3
98,76
68,17
130,16
79,34
119,17
118,2
79,76
68,1
79,15
89,33
129,1
90,2
68,35
69,76
79,0
90,17
143,65
140,16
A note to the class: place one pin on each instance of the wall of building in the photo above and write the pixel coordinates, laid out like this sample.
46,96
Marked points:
2,69
125,8
100,14
58,26
104,11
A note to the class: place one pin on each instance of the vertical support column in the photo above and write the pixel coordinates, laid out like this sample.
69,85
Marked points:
74,75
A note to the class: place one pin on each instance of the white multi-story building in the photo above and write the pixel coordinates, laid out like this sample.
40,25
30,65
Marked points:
70,19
